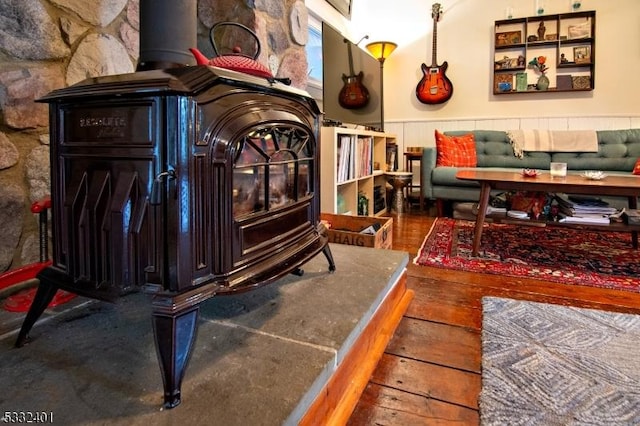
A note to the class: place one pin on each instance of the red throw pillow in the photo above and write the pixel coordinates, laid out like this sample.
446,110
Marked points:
636,168
456,151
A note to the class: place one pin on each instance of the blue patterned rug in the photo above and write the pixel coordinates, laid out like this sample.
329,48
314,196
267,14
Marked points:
546,364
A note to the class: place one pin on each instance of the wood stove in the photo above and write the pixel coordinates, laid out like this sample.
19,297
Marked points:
187,183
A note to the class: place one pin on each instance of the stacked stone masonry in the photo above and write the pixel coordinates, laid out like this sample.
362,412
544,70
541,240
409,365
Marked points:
49,44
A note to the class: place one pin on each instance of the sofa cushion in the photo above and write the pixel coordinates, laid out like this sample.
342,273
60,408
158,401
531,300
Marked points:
636,167
493,149
455,151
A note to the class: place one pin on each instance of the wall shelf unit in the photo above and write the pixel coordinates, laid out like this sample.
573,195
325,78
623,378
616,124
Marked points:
352,164
566,40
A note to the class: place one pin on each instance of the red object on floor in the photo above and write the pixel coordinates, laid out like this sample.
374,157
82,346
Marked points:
21,301
19,275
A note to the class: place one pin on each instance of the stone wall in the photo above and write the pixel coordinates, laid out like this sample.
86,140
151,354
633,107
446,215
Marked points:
49,44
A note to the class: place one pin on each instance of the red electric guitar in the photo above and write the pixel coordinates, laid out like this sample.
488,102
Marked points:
354,94
434,87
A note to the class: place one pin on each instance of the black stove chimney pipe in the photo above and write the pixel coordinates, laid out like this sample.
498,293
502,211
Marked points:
168,28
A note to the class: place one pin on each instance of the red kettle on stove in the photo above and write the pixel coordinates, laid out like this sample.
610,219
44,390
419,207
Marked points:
235,60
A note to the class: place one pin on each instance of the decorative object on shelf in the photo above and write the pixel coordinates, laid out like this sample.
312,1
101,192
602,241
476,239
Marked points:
581,82
541,30
564,82
575,5
521,82
381,51
538,64
508,63
539,7
434,87
543,83
505,86
503,78
363,205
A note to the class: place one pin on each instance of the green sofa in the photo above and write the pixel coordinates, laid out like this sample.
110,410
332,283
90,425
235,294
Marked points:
618,151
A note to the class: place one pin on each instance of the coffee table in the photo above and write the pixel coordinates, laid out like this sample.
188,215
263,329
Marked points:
625,186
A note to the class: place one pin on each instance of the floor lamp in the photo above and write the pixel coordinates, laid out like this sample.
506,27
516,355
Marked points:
381,51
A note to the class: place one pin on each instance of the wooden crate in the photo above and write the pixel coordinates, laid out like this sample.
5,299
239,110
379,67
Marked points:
345,229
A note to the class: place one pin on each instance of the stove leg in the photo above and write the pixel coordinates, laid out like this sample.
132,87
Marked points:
174,335
43,297
327,253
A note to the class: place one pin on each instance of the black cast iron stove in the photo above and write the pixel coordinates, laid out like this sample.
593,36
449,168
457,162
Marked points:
188,183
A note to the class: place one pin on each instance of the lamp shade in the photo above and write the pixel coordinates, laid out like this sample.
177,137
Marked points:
381,49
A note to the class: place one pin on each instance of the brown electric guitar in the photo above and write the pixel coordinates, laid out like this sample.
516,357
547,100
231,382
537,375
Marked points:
354,94
434,87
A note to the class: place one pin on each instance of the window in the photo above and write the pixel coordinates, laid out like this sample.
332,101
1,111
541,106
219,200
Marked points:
314,58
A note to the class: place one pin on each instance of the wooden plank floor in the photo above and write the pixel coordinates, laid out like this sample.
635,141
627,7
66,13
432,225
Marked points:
430,371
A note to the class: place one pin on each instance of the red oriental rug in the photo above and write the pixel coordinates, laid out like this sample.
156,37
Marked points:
591,258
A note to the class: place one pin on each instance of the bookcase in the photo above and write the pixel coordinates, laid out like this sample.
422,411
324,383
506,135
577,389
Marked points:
567,42
352,165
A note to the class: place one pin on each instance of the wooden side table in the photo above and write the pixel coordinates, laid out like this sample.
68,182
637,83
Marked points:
414,154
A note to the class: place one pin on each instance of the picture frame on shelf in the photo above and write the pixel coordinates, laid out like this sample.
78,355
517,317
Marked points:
582,54
508,38
579,31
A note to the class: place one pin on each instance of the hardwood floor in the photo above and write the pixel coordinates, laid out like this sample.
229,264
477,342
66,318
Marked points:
430,371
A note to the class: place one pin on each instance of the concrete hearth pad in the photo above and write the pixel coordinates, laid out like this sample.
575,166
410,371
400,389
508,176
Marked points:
260,358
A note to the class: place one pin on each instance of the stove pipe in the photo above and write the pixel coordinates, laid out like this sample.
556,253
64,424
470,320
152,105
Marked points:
168,28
